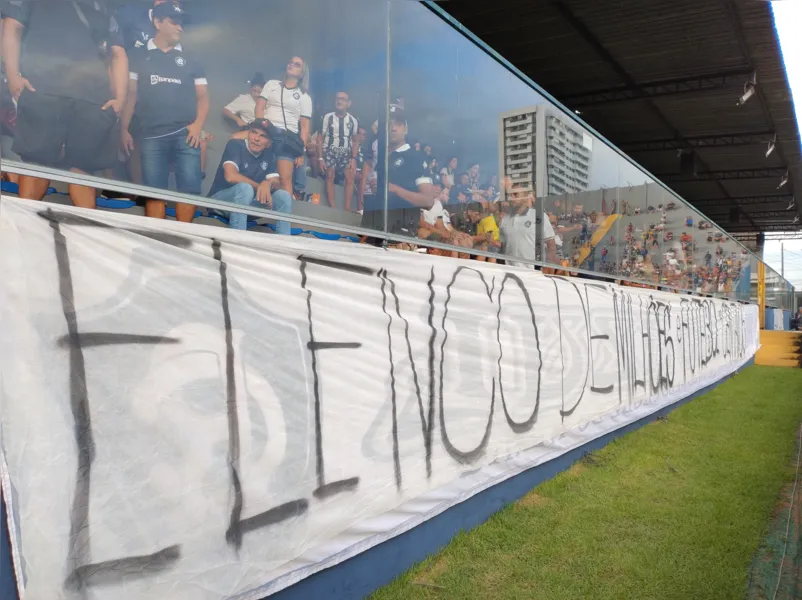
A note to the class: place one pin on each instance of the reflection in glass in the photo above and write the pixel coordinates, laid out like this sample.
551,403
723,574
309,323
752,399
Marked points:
446,146
195,78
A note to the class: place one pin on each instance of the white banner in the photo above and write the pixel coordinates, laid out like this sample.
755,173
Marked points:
188,416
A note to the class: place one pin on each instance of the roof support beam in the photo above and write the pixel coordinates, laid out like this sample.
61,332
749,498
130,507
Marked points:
759,214
626,78
701,141
656,89
768,173
744,200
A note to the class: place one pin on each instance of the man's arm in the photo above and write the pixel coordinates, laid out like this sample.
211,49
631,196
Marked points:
12,44
119,79
261,104
551,251
126,140
233,176
232,112
423,197
194,130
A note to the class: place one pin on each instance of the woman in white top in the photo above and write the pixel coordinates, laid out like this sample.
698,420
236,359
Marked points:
242,110
288,106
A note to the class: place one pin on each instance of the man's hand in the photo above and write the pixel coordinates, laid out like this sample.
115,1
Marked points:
264,195
392,188
194,135
17,83
115,104
300,161
127,142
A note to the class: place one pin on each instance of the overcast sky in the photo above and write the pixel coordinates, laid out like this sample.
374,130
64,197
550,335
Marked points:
788,18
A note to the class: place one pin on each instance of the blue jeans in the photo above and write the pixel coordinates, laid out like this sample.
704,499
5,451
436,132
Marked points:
244,195
159,154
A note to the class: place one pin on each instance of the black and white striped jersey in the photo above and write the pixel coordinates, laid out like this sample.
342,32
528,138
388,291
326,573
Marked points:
338,132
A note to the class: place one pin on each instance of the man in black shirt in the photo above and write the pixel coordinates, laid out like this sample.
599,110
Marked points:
248,173
168,90
67,114
409,187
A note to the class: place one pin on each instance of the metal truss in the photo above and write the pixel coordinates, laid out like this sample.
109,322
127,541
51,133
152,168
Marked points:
702,141
742,200
768,173
656,89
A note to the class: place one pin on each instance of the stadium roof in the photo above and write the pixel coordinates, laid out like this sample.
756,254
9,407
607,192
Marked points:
662,77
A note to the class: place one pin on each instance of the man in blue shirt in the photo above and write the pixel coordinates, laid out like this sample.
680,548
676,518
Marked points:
248,173
136,23
168,92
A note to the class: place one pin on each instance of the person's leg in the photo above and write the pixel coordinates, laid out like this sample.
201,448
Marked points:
285,168
32,188
282,202
330,185
187,175
299,180
82,196
350,174
241,194
155,162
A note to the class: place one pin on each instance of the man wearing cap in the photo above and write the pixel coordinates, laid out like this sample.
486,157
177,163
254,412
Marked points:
409,185
248,173
168,90
519,231
68,79
136,23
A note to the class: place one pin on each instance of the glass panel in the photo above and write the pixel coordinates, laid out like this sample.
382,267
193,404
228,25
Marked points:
497,169
308,60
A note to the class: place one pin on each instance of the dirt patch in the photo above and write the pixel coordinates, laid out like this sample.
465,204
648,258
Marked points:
576,469
533,500
429,574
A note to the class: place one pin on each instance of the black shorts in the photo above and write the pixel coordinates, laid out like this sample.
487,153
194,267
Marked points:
56,131
337,158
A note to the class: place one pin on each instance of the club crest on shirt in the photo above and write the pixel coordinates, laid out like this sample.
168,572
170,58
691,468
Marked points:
527,223
264,165
246,166
399,162
297,96
180,61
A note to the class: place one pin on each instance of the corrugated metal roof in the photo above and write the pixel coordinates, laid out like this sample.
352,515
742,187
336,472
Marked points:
581,47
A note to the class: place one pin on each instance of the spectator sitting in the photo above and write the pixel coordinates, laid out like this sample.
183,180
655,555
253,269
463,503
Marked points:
447,173
171,114
427,152
242,109
487,236
435,225
473,176
340,148
247,172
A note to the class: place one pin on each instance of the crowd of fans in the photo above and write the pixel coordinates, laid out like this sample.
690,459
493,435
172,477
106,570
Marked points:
128,101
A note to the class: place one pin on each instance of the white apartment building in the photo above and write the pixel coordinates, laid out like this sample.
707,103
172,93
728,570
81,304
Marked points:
544,152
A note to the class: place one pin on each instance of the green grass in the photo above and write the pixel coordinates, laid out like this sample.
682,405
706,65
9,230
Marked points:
676,509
